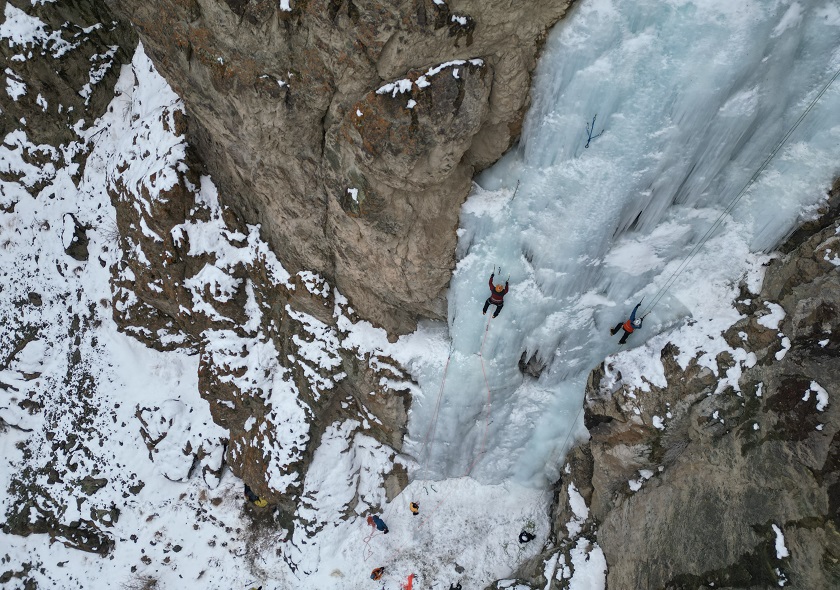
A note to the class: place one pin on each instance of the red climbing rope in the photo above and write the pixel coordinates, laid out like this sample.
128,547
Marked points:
483,340
427,514
487,403
367,552
433,425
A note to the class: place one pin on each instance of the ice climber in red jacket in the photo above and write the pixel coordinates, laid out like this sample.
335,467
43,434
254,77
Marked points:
497,297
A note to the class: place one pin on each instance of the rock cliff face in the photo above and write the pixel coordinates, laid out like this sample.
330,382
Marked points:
61,61
272,364
727,474
187,274
350,130
63,71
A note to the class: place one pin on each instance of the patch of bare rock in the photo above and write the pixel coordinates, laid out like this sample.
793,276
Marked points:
350,130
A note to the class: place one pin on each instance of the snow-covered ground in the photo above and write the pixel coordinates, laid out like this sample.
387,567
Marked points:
692,95
193,531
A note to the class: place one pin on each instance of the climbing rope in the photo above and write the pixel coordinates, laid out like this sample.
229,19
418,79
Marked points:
367,552
487,404
428,513
559,449
532,509
684,264
433,424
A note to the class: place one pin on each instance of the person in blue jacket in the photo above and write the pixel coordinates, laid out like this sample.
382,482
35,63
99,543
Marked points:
377,522
633,323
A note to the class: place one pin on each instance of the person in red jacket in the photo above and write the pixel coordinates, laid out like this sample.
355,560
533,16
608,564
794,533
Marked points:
497,297
377,573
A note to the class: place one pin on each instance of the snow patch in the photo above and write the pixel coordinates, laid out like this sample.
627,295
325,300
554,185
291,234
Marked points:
785,347
23,30
820,393
579,510
781,550
405,85
590,566
774,318
791,19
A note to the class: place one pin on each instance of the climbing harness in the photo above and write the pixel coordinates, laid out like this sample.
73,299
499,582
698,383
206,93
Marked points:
705,238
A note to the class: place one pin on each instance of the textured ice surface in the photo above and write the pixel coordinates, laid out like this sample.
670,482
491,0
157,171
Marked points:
692,98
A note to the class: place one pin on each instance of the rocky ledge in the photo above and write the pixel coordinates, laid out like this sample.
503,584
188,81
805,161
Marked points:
722,470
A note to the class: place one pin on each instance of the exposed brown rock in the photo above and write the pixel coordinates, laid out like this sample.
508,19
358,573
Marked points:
68,79
271,367
273,98
730,464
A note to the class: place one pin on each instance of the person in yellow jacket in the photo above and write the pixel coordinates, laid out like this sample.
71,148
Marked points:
415,508
255,499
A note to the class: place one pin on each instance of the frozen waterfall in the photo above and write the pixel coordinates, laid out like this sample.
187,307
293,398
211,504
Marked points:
692,97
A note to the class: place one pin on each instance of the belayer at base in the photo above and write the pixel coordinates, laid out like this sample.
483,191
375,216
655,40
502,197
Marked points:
377,523
255,499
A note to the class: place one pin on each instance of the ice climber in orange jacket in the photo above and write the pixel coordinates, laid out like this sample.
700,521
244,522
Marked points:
631,324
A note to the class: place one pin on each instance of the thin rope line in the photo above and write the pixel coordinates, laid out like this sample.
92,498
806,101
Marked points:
684,264
435,414
426,517
488,403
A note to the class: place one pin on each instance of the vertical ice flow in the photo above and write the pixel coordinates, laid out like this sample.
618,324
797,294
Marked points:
692,97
